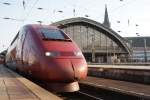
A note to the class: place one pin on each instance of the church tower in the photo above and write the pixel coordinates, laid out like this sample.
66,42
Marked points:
106,18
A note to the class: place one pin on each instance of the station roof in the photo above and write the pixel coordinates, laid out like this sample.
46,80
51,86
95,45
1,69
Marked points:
97,25
138,41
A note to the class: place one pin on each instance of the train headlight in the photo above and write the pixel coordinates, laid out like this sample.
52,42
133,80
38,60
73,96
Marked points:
78,54
47,54
52,54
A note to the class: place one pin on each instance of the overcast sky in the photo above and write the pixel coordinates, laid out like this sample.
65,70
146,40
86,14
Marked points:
127,16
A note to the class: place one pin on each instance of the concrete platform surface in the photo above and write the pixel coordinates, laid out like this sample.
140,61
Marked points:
15,87
134,89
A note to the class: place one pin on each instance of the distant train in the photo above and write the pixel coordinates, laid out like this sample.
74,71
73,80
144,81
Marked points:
48,54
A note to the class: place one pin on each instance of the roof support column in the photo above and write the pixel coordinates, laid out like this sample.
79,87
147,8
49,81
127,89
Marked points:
93,48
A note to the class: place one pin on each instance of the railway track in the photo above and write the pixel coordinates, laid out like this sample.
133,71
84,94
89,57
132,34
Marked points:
79,95
104,94
89,95
88,92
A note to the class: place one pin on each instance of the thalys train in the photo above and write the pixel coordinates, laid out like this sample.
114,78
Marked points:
48,54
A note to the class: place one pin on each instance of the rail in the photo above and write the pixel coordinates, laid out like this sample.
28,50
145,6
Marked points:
89,95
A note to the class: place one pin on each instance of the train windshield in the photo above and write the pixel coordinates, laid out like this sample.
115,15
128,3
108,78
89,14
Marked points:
54,34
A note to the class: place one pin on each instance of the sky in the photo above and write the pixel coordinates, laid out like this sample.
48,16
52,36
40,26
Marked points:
127,17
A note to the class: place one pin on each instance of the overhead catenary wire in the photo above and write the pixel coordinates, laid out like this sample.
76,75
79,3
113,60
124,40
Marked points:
28,14
123,5
10,3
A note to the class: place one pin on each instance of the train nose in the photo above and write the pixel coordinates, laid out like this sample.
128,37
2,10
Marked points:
79,68
69,70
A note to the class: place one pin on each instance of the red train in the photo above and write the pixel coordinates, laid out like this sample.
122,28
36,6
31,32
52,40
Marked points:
48,54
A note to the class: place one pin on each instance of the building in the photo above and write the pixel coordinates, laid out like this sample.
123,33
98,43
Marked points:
98,42
140,48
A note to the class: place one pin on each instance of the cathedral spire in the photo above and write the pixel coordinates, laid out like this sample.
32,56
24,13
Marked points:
106,18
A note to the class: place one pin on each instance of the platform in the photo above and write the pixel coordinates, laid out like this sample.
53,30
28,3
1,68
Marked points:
15,87
132,67
129,88
132,73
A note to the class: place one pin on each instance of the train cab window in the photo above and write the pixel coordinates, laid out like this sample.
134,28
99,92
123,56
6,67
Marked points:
15,38
53,34
22,34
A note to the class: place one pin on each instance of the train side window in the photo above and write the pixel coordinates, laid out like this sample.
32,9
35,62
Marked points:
22,34
15,38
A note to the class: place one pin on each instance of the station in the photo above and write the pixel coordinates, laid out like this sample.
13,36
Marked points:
101,44
114,63
98,42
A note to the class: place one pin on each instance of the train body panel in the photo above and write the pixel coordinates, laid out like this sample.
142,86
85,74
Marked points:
48,54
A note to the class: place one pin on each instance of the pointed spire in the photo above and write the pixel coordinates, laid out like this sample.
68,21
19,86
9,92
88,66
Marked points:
106,18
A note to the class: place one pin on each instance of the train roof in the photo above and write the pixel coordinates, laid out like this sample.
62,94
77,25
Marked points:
36,26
